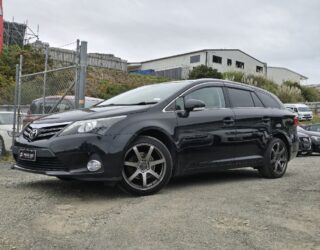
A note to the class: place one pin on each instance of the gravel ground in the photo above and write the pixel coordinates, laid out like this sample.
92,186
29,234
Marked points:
230,210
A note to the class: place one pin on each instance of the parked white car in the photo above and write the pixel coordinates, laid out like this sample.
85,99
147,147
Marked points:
6,125
301,110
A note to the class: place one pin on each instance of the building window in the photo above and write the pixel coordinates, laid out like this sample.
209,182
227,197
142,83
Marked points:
217,59
195,59
229,62
259,69
240,65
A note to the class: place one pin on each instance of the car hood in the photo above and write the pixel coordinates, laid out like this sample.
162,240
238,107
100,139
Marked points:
6,127
91,113
300,134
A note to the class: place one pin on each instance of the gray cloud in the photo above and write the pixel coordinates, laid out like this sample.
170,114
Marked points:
280,32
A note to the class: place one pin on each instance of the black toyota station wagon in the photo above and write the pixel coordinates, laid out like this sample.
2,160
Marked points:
140,139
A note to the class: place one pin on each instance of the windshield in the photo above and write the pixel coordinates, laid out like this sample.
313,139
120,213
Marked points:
149,94
304,109
6,118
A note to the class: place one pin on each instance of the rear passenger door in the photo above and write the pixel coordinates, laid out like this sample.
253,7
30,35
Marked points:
252,124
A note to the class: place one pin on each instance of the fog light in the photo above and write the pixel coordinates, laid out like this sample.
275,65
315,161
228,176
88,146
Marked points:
94,165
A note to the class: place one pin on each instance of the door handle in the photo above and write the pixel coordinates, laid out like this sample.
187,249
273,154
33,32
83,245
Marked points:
228,121
266,119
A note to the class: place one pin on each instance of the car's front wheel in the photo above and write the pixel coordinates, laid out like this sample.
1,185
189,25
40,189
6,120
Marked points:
275,159
147,166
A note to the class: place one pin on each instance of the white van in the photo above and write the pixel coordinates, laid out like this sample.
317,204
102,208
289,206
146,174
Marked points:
301,110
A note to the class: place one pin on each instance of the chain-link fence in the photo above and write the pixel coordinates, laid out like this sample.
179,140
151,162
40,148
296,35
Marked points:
47,88
49,91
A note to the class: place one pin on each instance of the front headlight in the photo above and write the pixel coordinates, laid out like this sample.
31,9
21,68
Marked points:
98,126
316,138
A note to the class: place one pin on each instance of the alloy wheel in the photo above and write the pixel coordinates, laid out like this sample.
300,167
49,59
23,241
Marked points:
279,157
144,166
1,147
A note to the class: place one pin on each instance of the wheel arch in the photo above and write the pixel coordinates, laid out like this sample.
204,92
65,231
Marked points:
162,136
285,139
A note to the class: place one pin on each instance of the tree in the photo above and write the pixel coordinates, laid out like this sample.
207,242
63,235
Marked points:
203,71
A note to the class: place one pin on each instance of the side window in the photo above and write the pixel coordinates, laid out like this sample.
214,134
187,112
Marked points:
240,98
212,97
268,100
180,104
256,100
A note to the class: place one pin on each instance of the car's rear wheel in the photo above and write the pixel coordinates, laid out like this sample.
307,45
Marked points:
147,166
2,147
275,159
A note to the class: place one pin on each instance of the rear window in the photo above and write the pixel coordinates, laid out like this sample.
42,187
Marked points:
240,98
268,100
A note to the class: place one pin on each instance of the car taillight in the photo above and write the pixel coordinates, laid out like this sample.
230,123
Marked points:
296,120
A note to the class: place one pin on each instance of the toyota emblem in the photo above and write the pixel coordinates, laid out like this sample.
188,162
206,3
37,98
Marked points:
33,134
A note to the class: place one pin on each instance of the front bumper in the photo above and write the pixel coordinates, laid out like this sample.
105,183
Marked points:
67,156
316,146
305,146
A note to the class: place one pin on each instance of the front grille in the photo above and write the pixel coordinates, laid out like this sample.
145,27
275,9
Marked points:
42,164
45,132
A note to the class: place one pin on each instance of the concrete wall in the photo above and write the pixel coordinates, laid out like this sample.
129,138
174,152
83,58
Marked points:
182,61
250,64
65,57
206,58
279,75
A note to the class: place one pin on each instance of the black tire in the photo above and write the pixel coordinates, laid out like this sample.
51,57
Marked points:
63,178
146,160
275,159
2,148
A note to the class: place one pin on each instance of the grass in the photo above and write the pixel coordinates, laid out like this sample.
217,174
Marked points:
7,158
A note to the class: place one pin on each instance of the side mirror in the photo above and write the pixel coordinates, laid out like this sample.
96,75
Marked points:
193,104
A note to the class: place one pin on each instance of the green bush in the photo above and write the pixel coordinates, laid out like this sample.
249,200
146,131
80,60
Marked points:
203,71
235,76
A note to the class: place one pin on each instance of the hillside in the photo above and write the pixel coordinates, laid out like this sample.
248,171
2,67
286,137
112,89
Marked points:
105,83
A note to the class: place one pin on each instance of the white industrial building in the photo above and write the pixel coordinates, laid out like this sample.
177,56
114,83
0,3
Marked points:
179,66
280,75
224,60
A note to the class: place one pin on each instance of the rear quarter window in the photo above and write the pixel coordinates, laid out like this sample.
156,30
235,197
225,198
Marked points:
268,100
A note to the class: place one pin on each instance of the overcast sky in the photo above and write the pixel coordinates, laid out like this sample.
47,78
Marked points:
280,32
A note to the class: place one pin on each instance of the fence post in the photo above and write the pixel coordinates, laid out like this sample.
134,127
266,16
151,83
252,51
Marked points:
19,92
45,79
83,73
77,77
15,105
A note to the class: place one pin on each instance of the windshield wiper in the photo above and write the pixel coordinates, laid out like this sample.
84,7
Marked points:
142,103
